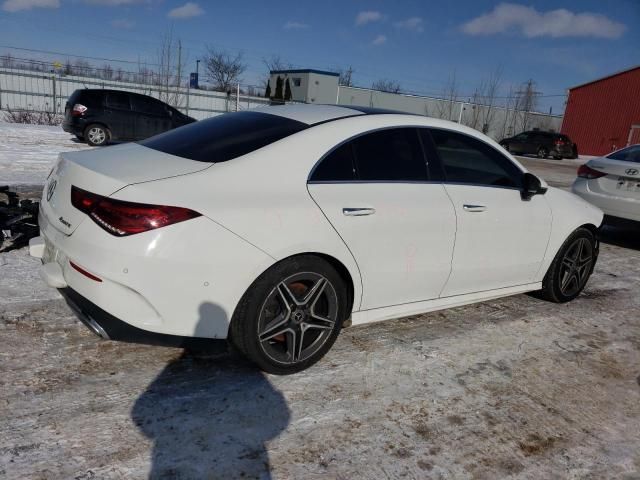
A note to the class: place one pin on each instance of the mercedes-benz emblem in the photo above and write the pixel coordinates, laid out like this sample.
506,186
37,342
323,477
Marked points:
631,171
51,188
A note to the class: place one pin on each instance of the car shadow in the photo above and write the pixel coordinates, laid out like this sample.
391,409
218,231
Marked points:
210,416
621,233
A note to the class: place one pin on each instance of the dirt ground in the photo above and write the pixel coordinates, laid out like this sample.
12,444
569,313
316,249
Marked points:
513,388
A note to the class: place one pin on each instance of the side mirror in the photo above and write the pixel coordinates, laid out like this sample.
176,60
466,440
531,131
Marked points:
531,185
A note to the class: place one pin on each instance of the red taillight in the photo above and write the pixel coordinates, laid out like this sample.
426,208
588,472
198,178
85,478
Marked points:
78,110
559,142
588,172
127,218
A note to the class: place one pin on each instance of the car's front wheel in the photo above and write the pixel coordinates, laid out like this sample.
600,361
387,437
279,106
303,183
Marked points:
96,135
571,267
291,315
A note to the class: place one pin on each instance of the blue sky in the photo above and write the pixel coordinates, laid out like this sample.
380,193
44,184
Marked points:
417,43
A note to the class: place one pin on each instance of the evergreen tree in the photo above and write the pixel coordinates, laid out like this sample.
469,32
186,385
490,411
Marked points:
278,95
267,91
287,90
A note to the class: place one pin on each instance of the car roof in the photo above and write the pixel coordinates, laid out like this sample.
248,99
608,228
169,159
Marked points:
315,114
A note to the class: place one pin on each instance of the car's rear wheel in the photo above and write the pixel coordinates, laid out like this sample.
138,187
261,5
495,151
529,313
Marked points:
542,152
557,157
291,315
571,267
97,135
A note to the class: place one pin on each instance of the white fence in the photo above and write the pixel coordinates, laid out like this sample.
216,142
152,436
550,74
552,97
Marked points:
48,92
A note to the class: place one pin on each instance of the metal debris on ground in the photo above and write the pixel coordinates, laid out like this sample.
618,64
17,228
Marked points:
18,220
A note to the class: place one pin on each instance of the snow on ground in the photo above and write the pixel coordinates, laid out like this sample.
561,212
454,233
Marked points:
27,152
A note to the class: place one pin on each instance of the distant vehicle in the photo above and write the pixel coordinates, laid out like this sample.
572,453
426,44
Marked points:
612,183
312,216
541,144
99,116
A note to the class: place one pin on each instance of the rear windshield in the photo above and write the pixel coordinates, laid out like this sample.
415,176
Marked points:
224,137
629,154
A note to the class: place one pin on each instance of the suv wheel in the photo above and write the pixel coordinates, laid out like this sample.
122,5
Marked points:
97,135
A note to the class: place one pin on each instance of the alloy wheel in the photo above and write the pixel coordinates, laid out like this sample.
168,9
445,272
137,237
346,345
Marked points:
297,318
576,266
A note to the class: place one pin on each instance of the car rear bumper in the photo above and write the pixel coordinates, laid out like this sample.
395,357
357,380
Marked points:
105,325
183,280
627,208
74,125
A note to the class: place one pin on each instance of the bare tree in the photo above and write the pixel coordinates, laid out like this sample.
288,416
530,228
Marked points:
386,85
106,71
483,102
223,70
274,63
346,77
170,68
444,108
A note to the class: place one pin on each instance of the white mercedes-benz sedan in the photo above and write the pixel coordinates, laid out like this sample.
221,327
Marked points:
612,183
274,227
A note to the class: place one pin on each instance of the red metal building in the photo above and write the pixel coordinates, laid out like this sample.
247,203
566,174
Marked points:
604,115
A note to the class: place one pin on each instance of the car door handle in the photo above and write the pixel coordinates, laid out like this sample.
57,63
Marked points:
358,212
473,208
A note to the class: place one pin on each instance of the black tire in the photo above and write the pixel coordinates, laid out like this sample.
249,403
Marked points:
557,157
554,285
97,135
262,309
542,152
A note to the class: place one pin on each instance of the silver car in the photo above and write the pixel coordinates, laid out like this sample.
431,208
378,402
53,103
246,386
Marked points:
612,183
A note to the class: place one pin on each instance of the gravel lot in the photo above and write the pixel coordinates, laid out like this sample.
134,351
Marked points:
516,388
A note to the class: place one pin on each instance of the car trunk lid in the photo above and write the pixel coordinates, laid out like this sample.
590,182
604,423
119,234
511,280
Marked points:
104,171
622,178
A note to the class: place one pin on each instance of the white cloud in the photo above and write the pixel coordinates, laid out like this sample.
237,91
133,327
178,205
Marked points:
291,25
17,5
414,24
187,10
553,23
368,16
379,40
123,23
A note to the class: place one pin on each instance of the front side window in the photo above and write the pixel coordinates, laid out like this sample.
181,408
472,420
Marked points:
629,154
468,160
224,137
394,154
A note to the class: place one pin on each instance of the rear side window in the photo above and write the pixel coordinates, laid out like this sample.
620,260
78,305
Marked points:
338,166
87,98
118,100
390,155
468,160
224,137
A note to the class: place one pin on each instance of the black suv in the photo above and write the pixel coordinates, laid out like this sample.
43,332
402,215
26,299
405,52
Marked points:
541,144
99,116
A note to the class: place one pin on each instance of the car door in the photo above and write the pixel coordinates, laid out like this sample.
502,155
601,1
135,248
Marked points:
120,119
400,228
501,239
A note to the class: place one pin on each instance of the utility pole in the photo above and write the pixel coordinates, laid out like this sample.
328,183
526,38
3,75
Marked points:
526,101
197,74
